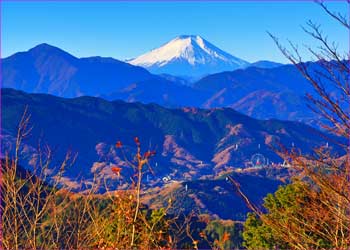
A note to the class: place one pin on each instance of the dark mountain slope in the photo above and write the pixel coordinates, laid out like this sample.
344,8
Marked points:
190,142
215,197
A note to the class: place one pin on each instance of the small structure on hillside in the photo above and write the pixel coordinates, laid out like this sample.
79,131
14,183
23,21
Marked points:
166,179
258,160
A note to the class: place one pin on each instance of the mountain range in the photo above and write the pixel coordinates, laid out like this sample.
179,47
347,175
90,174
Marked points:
202,130
191,143
47,69
263,93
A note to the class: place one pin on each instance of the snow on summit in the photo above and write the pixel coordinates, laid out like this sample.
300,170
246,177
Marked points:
188,55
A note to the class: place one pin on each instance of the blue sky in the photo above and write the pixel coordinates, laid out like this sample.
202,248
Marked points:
127,29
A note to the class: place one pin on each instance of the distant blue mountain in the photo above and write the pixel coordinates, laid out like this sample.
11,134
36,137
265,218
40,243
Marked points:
267,91
265,64
47,69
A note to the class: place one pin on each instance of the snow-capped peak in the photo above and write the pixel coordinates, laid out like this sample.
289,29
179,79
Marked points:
188,51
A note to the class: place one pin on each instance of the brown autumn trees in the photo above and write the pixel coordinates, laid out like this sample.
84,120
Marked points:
39,212
314,213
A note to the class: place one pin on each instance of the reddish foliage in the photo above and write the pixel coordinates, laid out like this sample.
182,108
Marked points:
116,170
137,141
149,154
119,144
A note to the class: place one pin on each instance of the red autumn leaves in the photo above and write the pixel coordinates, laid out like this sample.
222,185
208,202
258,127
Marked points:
116,170
119,144
148,154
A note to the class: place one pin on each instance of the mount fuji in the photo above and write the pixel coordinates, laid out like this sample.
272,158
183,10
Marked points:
188,55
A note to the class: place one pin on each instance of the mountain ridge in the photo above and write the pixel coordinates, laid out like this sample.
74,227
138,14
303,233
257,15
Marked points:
48,69
191,143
